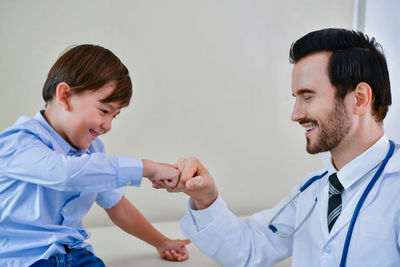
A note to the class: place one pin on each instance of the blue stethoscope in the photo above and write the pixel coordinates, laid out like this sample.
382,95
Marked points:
355,214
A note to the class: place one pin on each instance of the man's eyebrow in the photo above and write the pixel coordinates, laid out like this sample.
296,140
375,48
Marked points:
303,91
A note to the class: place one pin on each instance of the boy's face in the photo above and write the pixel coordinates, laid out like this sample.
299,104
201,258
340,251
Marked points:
87,117
326,119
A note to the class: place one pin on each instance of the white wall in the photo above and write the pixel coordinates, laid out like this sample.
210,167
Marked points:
211,78
381,20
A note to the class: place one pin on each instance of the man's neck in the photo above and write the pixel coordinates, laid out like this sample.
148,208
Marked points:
354,146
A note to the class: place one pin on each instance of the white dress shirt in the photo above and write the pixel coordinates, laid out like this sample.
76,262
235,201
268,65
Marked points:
376,236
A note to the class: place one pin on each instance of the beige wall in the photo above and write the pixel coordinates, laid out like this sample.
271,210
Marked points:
211,78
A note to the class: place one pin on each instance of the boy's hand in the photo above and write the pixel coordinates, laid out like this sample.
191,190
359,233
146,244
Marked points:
162,174
174,250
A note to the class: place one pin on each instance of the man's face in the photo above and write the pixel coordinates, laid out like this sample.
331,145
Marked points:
88,117
324,118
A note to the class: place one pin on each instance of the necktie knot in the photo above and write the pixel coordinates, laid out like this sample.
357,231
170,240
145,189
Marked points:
335,187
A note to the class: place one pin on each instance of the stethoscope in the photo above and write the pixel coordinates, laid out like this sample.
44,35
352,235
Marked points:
356,210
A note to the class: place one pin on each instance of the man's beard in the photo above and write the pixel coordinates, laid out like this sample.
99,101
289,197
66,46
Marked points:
331,131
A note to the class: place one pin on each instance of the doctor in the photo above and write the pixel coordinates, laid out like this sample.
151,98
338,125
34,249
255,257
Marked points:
341,85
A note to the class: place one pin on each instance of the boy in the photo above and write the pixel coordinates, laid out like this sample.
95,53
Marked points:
53,167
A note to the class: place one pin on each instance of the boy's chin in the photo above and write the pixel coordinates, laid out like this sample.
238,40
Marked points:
83,146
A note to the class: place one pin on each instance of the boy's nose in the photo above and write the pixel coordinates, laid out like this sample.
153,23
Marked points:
106,125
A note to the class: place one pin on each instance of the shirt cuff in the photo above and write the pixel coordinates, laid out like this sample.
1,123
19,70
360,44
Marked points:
203,218
130,172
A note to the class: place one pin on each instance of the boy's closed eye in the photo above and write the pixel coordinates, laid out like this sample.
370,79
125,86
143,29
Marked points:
104,111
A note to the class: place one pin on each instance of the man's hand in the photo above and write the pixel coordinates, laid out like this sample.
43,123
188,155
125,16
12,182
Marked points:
196,182
162,174
173,250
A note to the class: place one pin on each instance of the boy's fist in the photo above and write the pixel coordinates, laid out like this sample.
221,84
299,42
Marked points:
162,174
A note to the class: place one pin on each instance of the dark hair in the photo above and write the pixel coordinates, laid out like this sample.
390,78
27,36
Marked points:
89,67
355,58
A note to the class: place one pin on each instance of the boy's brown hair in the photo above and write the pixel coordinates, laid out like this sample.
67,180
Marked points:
89,67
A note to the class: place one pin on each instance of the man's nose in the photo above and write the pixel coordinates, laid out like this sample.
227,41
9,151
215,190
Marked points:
298,112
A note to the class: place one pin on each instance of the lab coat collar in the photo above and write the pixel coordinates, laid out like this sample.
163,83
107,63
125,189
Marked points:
392,168
361,165
379,149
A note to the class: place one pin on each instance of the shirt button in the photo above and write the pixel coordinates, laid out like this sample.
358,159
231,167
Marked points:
327,250
65,210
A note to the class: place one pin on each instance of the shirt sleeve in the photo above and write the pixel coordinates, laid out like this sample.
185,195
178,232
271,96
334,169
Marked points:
222,236
108,199
34,162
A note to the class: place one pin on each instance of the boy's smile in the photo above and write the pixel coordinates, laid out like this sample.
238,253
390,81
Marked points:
93,133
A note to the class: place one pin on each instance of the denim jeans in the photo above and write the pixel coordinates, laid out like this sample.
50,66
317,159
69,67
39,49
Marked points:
75,258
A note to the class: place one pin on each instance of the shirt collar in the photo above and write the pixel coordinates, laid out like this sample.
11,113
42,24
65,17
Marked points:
65,146
361,165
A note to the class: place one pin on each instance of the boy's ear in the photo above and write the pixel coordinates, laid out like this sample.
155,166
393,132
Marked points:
63,93
362,98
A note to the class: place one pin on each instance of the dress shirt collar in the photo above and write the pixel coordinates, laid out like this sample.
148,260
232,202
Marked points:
361,165
65,146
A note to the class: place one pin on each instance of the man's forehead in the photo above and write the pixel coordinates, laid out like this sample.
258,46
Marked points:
310,72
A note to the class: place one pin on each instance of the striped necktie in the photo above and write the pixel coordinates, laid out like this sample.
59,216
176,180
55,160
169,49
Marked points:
335,200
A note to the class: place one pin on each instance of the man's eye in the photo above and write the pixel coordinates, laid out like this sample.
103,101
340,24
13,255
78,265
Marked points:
104,111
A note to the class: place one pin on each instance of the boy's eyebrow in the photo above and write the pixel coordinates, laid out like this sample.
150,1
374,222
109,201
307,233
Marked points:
303,91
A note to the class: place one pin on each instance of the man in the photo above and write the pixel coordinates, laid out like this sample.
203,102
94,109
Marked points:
341,85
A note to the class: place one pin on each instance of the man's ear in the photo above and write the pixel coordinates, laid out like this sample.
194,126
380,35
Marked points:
63,93
362,98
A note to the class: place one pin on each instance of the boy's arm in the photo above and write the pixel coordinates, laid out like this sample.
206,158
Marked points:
31,160
127,217
165,174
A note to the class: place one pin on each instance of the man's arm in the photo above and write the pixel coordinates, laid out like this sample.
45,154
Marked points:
217,232
127,217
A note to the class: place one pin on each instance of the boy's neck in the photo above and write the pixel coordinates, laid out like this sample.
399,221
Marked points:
50,116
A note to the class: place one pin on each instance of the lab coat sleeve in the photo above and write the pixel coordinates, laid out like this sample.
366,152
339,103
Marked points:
228,240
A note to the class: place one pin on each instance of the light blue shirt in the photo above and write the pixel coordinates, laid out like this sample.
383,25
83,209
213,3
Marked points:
47,186
376,237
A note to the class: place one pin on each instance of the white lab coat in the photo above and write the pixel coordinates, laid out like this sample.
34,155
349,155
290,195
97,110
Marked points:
375,240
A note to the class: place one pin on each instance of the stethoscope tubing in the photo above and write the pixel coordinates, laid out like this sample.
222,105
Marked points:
356,210
360,203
